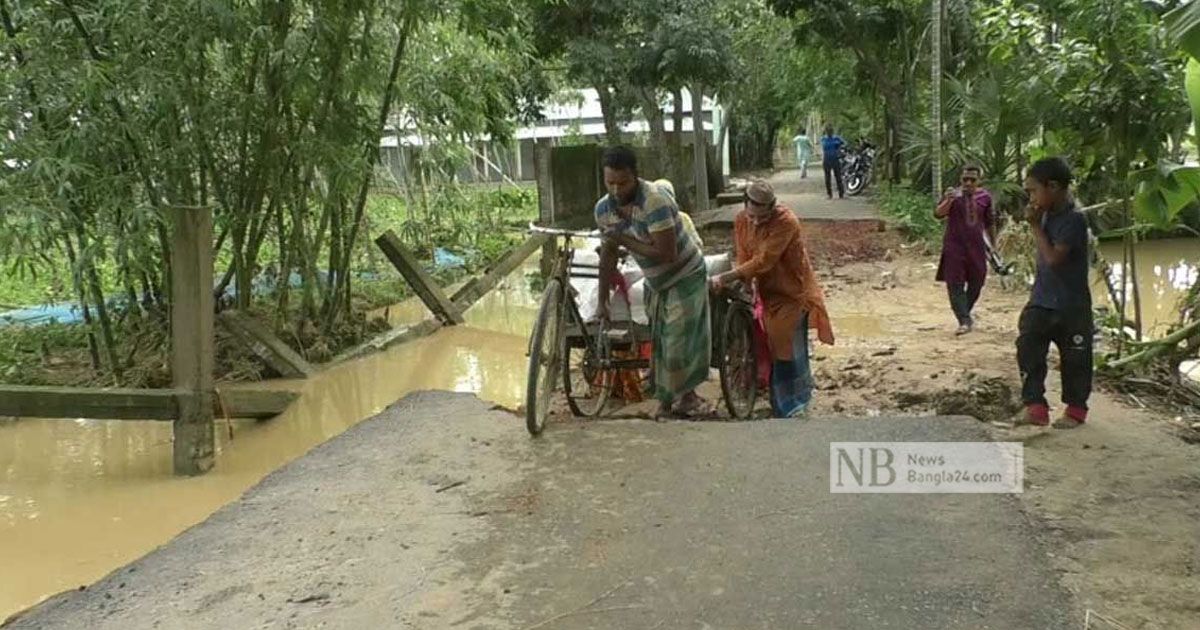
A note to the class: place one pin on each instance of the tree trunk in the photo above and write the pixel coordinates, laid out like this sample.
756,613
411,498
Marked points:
677,116
1137,289
894,112
612,128
700,148
936,98
674,164
92,280
341,291
81,295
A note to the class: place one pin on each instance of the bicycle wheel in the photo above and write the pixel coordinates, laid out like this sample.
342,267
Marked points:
739,367
585,380
544,357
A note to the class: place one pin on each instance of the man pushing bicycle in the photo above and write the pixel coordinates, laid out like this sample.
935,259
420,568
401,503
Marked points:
643,218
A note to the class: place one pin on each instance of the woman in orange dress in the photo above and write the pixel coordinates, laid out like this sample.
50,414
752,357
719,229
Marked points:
771,253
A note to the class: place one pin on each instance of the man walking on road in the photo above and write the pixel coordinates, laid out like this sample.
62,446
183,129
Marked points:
804,148
771,252
1060,304
967,212
642,217
831,159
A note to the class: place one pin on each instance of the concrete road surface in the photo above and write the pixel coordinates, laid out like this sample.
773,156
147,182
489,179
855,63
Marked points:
806,197
442,513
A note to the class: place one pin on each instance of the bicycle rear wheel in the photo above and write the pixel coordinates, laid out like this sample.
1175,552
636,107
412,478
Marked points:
738,365
545,349
586,381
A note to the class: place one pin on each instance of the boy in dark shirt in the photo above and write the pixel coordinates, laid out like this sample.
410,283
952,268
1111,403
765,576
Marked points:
1060,305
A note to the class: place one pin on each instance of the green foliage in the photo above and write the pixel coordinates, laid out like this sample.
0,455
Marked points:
1183,26
912,211
270,113
778,83
1162,192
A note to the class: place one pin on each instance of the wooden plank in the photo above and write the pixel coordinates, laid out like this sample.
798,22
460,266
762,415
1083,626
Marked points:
23,401
472,291
266,346
77,402
408,266
259,404
468,288
389,339
192,351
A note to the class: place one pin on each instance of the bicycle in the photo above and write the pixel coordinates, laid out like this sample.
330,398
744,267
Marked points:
736,360
586,351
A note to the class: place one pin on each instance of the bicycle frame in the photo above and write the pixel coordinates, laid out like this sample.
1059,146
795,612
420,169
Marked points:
565,268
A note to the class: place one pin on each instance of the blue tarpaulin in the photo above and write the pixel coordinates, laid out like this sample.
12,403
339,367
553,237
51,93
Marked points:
70,313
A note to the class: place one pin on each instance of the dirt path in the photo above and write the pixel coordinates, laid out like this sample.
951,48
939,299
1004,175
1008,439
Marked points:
1121,496
806,197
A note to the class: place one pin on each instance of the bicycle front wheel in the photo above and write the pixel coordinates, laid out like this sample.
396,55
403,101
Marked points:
738,365
544,357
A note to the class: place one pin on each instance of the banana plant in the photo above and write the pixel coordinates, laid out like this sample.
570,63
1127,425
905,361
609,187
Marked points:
1163,190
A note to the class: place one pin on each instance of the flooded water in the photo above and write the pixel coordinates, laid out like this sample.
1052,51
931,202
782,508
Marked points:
80,498
1166,270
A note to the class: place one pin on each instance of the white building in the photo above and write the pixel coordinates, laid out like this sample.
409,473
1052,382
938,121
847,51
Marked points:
570,118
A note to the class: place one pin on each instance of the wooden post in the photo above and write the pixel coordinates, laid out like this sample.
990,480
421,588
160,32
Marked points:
476,288
409,267
545,189
192,338
266,346
700,150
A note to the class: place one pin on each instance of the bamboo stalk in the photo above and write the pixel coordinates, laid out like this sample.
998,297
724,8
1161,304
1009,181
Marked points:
1137,292
1155,348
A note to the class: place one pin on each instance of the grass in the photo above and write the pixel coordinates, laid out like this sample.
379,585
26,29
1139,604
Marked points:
912,212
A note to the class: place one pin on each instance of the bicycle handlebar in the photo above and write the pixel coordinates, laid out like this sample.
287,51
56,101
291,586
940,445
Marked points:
538,229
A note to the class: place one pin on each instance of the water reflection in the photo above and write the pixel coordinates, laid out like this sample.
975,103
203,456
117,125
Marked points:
1166,270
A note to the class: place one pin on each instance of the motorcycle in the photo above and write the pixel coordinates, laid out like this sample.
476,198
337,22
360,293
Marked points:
858,167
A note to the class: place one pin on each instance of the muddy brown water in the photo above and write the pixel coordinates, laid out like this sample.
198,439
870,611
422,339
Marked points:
80,498
1166,269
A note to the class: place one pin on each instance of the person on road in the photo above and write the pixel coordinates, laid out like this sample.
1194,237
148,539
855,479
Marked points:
967,211
1060,303
804,149
831,159
642,217
771,253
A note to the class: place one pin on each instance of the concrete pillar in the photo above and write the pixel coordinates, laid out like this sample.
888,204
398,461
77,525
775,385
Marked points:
192,338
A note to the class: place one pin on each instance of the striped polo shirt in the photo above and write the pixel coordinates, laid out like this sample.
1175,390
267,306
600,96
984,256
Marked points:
654,210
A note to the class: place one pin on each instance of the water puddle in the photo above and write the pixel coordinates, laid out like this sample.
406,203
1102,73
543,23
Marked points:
1166,270
80,498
